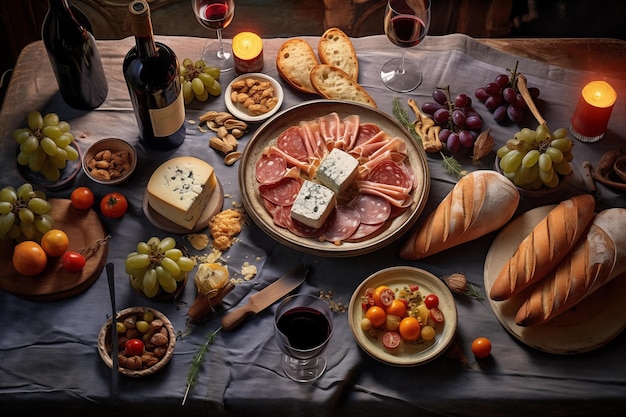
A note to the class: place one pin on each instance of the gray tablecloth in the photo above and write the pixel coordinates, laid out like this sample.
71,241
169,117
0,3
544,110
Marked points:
48,354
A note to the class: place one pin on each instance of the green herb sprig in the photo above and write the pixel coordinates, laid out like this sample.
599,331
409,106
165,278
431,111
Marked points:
192,376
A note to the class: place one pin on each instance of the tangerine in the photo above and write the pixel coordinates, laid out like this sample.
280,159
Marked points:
376,315
410,328
29,258
55,242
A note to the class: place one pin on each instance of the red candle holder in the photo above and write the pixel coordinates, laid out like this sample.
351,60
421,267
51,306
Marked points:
593,111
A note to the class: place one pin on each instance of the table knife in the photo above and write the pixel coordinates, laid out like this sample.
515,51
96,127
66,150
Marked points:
114,358
265,297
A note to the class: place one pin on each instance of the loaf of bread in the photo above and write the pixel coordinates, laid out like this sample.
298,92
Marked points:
597,258
333,83
480,203
335,48
547,244
294,62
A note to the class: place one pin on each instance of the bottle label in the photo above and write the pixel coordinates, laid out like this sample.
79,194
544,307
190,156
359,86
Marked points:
167,120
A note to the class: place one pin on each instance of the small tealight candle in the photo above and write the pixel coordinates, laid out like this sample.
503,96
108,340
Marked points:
248,52
593,111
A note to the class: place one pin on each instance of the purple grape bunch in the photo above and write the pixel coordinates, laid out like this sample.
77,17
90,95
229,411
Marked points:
460,122
503,99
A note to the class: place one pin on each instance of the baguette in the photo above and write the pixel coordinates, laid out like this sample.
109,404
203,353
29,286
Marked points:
294,62
597,258
547,244
335,48
335,84
481,202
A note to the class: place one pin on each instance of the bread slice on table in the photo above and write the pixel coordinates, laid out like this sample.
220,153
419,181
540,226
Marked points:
333,83
335,48
294,63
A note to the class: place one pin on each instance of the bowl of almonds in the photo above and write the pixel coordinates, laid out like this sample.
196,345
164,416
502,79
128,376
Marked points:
109,161
146,341
253,97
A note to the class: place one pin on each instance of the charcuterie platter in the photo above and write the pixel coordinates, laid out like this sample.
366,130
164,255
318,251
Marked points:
396,219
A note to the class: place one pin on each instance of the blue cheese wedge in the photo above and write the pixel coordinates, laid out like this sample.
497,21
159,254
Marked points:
337,171
180,189
313,204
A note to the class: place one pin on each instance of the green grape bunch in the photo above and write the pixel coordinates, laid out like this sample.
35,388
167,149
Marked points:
199,81
157,265
24,213
536,158
45,145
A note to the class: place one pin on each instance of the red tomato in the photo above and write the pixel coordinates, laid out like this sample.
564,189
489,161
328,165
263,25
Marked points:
437,315
391,339
82,198
113,205
134,347
481,347
73,261
431,301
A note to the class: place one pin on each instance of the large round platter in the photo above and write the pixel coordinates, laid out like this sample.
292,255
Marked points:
84,230
408,354
594,323
266,135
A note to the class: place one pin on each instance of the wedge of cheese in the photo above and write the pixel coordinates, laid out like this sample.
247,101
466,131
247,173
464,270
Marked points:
313,204
337,171
180,189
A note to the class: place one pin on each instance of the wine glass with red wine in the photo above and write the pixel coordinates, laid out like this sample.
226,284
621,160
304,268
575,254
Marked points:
216,15
303,325
406,24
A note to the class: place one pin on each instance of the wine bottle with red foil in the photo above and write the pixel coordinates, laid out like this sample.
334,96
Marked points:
151,72
71,46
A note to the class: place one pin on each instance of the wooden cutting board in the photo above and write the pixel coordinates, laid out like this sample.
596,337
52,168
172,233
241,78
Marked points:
84,229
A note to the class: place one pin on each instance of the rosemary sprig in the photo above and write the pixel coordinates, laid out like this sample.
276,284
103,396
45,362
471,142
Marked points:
192,376
450,164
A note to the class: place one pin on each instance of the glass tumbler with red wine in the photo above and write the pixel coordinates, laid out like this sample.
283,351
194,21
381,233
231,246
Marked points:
303,325
216,15
406,23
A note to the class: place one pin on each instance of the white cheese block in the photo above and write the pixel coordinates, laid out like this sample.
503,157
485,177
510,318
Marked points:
313,204
337,170
180,189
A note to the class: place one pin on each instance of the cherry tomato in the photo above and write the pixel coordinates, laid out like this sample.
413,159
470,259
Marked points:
396,308
431,301
73,261
134,347
410,328
113,205
376,315
383,296
436,315
481,347
82,198
391,339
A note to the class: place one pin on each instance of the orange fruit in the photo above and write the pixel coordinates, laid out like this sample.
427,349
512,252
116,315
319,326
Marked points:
29,258
397,308
376,315
410,328
55,242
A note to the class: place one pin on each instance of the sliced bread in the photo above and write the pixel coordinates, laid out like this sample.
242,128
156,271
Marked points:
335,84
294,62
335,48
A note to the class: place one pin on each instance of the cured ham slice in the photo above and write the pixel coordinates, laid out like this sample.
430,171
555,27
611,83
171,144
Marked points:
308,167
364,150
313,140
373,209
341,224
350,131
270,168
282,193
365,133
330,128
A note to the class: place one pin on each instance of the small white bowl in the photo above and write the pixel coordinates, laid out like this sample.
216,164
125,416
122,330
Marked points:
241,112
114,145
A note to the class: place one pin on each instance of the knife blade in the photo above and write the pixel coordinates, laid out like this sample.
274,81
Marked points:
266,297
114,376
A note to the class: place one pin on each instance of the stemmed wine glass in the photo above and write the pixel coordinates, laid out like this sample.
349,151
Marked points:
216,15
303,325
406,24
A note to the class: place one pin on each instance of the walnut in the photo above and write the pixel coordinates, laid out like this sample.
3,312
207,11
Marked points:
160,351
156,325
134,362
159,339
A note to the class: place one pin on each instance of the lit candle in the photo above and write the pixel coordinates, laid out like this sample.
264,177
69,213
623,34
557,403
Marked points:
248,52
593,111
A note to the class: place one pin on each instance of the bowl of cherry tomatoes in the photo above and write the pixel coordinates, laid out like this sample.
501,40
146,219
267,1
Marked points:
403,316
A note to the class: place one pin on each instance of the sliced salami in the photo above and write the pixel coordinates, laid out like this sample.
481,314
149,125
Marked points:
292,143
270,168
366,132
283,216
392,173
282,193
341,224
372,209
365,231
